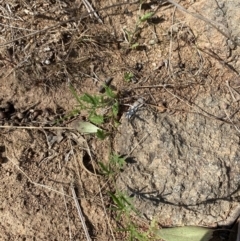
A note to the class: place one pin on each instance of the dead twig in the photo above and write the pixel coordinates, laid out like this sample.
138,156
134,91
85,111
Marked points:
38,127
70,233
214,24
231,92
170,69
162,86
140,142
91,10
80,214
228,117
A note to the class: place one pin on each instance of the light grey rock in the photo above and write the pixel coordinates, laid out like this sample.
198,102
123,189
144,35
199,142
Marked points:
184,168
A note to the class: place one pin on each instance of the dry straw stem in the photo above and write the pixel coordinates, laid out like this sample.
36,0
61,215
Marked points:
219,27
76,163
80,214
38,127
140,142
69,226
90,9
170,68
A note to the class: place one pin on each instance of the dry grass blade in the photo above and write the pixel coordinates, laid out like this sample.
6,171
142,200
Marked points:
81,126
140,142
38,127
65,203
80,214
214,24
91,10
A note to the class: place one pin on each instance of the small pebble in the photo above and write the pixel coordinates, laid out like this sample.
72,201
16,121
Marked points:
46,49
231,44
152,42
20,115
47,62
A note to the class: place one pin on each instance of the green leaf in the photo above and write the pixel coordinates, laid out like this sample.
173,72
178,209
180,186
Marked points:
188,233
101,134
105,169
134,46
117,201
116,123
109,92
118,160
75,94
128,76
93,100
146,17
115,109
96,119
86,127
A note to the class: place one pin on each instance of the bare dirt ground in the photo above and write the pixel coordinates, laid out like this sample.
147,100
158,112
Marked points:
47,45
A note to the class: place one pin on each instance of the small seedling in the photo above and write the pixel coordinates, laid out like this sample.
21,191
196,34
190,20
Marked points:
125,207
123,204
131,36
100,108
128,76
101,134
116,163
134,233
146,17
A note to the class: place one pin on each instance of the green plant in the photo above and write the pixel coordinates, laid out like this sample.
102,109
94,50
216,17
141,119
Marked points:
100,108
128,76
186,233
124,207
115,164
131,36
122,203
134,233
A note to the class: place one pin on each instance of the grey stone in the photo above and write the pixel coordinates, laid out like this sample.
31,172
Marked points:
184,168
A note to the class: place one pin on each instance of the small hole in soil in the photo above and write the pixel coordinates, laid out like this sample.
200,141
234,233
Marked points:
10,51
19,177
66,37
87,162
3,155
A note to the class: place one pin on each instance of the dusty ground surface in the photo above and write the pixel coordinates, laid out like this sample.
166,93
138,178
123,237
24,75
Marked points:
185,70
